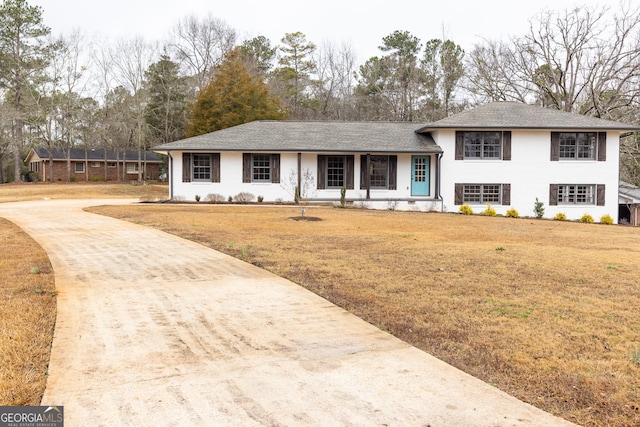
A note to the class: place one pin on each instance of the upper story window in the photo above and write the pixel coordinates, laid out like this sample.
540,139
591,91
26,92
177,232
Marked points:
579,146
483,145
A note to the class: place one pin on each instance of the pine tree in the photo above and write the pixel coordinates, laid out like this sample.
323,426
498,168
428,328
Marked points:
23,56
233,97
165,112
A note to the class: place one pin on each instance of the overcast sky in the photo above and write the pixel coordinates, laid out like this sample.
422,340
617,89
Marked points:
361,23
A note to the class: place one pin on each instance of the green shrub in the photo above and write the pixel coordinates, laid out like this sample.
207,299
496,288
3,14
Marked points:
343,197
197,197
489,211
260,199
560,216
512,213
606,219
538,208
586,218
466,210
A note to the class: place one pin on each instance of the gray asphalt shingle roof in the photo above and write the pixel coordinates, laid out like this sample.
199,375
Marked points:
297,136
79,154
515,115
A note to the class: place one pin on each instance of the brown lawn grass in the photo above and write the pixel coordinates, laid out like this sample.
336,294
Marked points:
546,311
27,315
81,190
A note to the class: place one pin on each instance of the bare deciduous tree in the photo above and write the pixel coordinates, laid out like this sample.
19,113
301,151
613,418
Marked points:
200,44
334,85
584,60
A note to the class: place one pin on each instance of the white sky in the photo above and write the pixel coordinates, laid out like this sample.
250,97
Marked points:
360,23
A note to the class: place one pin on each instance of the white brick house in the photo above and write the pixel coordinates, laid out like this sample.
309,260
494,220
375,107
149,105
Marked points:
504,153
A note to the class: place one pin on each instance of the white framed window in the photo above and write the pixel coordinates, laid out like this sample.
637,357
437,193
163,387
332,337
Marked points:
481,193
576,194
201,167
132,168
335,171
261,168
111,164
482,145
79,167
379,172
578,145
95,164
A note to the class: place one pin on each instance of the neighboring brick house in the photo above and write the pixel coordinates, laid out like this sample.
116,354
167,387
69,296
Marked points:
93,165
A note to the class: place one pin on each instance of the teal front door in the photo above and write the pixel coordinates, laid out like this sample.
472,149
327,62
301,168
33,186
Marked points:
419,175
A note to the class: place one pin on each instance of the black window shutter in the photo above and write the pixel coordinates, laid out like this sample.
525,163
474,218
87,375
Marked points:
459,194
600,194
602,146
275,168
246,167
350,161
393,172
322,172
506,194
553,194
506,145
459,145
186,167
215,167
363,172
555,146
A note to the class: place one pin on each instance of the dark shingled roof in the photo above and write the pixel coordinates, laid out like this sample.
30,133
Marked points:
514,115
79,154
299,136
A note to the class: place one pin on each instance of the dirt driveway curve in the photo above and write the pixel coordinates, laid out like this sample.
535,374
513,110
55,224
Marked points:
156,330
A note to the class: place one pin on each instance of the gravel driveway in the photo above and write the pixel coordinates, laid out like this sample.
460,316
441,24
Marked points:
153,329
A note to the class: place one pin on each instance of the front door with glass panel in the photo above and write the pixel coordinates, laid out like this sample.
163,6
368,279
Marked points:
419,175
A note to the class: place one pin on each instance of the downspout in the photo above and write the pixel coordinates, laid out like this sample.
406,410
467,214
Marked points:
438,177
170,175
438,181
299,174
